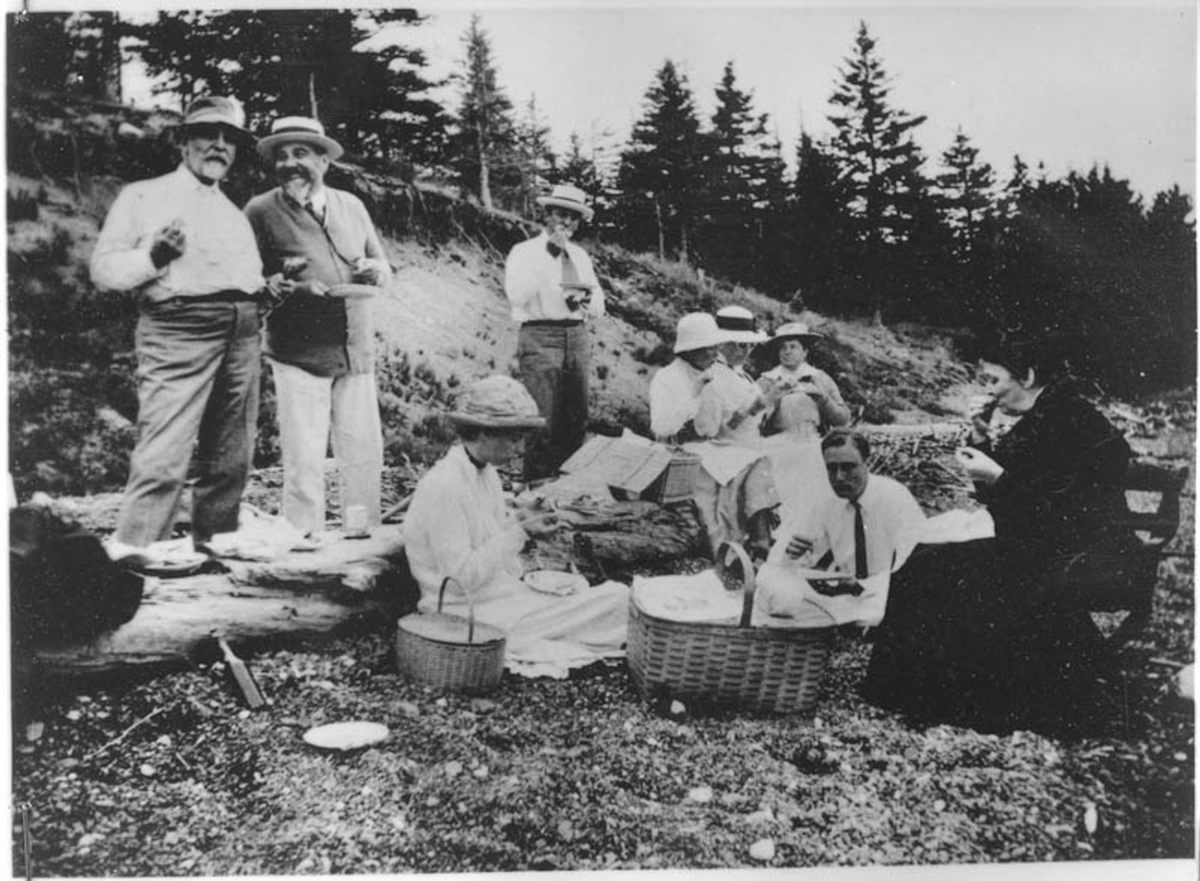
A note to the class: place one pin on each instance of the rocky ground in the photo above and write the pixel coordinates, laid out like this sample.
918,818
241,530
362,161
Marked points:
173,776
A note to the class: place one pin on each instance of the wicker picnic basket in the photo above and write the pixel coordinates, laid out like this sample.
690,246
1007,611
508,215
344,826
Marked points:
448,651
762,669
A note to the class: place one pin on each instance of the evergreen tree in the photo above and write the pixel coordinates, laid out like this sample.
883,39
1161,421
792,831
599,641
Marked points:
533,159
879,162
486,128
819,224
743,187
965,194
306,62
63,52
661,172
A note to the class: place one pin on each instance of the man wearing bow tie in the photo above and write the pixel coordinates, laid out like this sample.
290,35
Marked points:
553,291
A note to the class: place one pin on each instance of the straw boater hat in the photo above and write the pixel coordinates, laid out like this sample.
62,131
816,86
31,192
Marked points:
739,326
569,197
218,110
496,402
697,330
290,129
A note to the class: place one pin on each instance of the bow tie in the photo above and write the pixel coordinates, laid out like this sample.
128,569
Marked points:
555,250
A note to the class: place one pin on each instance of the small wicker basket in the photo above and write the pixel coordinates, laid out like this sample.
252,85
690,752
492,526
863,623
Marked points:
448,651
762,669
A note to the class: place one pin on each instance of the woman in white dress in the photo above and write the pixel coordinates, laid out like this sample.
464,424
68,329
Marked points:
808,404
460,527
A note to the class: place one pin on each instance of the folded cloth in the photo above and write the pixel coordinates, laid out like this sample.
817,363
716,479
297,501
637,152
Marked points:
697,598
260,537
723,461
785,598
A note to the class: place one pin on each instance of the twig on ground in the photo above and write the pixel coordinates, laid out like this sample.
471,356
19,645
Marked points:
140,722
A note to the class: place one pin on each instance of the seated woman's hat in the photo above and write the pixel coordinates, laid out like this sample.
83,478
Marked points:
302,129
569,197
796,330
496,402
697,330
739,325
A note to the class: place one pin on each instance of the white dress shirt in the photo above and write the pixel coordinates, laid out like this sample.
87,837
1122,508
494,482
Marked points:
533,280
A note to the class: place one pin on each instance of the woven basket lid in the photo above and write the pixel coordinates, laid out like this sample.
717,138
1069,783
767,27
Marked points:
450,629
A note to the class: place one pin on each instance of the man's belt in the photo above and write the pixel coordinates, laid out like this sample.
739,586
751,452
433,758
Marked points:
229,296
546,322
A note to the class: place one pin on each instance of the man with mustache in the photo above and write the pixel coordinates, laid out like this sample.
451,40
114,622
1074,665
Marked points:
188,255
552,289
320,345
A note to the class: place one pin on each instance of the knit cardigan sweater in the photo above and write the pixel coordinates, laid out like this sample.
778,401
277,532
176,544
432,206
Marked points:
325,336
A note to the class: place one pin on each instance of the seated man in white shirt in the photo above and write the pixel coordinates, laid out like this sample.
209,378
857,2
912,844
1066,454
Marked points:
696,400
869,528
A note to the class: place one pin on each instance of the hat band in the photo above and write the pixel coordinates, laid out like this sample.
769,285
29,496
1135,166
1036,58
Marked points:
296,130
729,322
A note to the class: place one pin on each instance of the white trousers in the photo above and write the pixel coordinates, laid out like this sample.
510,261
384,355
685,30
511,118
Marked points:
308,407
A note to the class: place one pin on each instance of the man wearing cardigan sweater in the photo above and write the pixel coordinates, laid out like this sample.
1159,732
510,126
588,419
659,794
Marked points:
321,347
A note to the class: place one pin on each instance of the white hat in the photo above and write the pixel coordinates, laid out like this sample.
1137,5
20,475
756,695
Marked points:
796,330
697,330
739,326
292,129
569,197
496,402
218,110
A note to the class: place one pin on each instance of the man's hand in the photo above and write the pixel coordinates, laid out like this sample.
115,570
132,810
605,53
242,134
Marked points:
368,270
537,522
311,288
168,244
980,467
798,546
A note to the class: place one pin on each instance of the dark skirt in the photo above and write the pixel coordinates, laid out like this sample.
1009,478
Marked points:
972,637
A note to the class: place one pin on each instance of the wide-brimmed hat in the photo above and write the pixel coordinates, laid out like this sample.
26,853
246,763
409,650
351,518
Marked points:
738,325
569,197
796,330
218,110
697,330
302,129
496,402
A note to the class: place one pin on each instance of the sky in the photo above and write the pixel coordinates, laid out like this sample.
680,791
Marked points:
1062,84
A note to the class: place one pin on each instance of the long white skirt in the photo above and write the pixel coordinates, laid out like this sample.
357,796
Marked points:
548,635
800,479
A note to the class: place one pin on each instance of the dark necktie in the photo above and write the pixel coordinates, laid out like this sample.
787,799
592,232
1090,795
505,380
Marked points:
860,543
318,217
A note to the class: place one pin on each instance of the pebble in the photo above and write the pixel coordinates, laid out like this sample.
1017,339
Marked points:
34,730
453,769
763,816
700,794
677,709
147,770
763,850
409,709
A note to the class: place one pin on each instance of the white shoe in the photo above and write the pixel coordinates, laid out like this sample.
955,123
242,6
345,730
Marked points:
127,554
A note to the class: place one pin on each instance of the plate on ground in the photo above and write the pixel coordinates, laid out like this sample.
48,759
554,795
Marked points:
353,291
177,565
345,736
559,584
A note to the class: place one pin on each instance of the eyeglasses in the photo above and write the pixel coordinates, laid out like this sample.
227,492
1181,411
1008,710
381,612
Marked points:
562,214
211,131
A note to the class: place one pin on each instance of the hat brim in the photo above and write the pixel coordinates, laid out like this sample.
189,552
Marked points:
803,337
331,148
745,336
243,137
507,422
710,343
583,210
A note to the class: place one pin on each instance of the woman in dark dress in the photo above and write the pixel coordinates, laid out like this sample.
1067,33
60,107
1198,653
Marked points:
973,633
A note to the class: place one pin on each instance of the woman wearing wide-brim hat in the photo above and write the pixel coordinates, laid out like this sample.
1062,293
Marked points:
459,527
808,403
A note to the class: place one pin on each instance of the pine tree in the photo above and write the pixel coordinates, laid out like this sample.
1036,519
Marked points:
820,225
65,52
533,160
880,164
965,193
486,128
661,172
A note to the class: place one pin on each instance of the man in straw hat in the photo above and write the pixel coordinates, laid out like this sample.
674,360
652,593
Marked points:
697,399
553,291
459,526
320,339
188,255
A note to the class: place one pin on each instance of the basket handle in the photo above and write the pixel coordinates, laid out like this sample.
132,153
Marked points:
470,605
748,582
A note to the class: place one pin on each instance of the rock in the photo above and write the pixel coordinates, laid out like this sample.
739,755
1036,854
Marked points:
763,850
700,794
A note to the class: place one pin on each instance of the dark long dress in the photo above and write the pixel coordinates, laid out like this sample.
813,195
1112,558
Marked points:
973,634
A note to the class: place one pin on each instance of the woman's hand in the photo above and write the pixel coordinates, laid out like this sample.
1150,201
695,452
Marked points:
312,288
980,467
537,519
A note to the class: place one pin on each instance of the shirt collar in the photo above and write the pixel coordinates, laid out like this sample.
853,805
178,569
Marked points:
189,180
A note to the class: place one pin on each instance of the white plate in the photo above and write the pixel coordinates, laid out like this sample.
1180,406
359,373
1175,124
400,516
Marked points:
177,564
559,584
345,736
